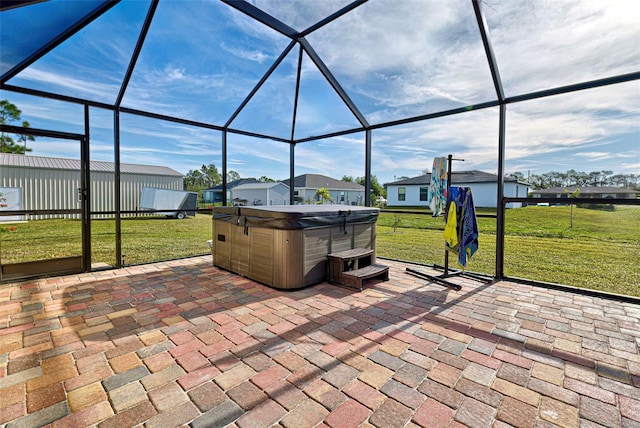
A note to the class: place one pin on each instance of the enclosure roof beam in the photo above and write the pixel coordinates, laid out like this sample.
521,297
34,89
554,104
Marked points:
199,124
10,129
11,4
622,78
263,17
333,81
273,67
56,41
136,52
488,49
54,96
348,8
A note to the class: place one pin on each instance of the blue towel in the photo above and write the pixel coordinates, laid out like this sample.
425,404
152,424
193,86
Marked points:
466,224
468,233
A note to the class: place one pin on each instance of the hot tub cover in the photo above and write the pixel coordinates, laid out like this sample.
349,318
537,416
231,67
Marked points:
296,216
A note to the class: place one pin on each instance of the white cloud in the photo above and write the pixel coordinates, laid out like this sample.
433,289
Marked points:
297,13
91,89
543,44
250,54
408,58
396,59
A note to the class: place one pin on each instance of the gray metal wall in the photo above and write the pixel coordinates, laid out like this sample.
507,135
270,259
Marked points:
46,189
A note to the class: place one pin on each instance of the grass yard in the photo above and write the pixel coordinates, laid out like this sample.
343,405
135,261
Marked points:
144,239
573,246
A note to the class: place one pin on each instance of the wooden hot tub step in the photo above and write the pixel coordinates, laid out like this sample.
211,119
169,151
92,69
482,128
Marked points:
354,278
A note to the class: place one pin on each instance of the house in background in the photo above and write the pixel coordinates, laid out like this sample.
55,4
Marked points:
342,192
213,195
414,191
585,192
275,193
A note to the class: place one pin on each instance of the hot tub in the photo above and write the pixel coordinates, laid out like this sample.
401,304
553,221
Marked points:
286,247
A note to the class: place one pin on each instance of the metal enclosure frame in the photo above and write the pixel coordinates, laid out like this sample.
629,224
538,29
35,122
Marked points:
298,38
66,264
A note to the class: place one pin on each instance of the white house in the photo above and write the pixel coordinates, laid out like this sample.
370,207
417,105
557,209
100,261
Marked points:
342,192
275,193
413,192
214,194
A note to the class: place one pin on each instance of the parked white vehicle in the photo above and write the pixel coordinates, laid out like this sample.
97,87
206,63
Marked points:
172,203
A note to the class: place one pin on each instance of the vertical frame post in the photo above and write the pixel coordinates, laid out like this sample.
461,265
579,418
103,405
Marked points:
292,171
85,182
116,186
367,169
500,205
224,167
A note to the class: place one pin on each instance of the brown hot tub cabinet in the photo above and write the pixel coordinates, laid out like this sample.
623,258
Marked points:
286,247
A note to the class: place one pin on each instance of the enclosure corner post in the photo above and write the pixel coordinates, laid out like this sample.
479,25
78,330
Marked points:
224,167
116,186
85,185
367,169
292,172
500,204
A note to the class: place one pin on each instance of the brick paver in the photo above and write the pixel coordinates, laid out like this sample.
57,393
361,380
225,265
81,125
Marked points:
184,343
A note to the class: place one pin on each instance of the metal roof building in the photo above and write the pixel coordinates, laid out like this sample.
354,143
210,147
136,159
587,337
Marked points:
53,183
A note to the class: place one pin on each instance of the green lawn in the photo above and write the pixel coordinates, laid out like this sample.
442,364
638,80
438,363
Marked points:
600,250
594,249
144,239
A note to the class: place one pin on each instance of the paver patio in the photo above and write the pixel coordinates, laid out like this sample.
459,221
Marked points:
183,343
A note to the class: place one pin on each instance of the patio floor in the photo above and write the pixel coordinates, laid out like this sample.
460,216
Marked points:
183,343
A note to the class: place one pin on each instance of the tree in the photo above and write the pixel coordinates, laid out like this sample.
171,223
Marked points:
376,188
232,176
323,194
11,113
347,179
619,180
517,176
604,177
574,194
265,179
193,181
23,138
198,180
211,176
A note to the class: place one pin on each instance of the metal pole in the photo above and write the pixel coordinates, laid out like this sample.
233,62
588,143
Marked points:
292,171
500,195
85,182
224,167
446,252
116,186
367,169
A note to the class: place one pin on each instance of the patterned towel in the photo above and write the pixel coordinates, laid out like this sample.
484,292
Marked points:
438,187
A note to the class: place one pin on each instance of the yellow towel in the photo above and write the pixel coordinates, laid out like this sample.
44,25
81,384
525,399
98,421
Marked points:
450,230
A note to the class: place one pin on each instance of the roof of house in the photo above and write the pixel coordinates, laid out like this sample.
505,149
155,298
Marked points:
583,190
233,184
258,185
457,177
317,181
26,161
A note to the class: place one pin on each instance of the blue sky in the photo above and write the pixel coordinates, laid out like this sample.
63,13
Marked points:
394,58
